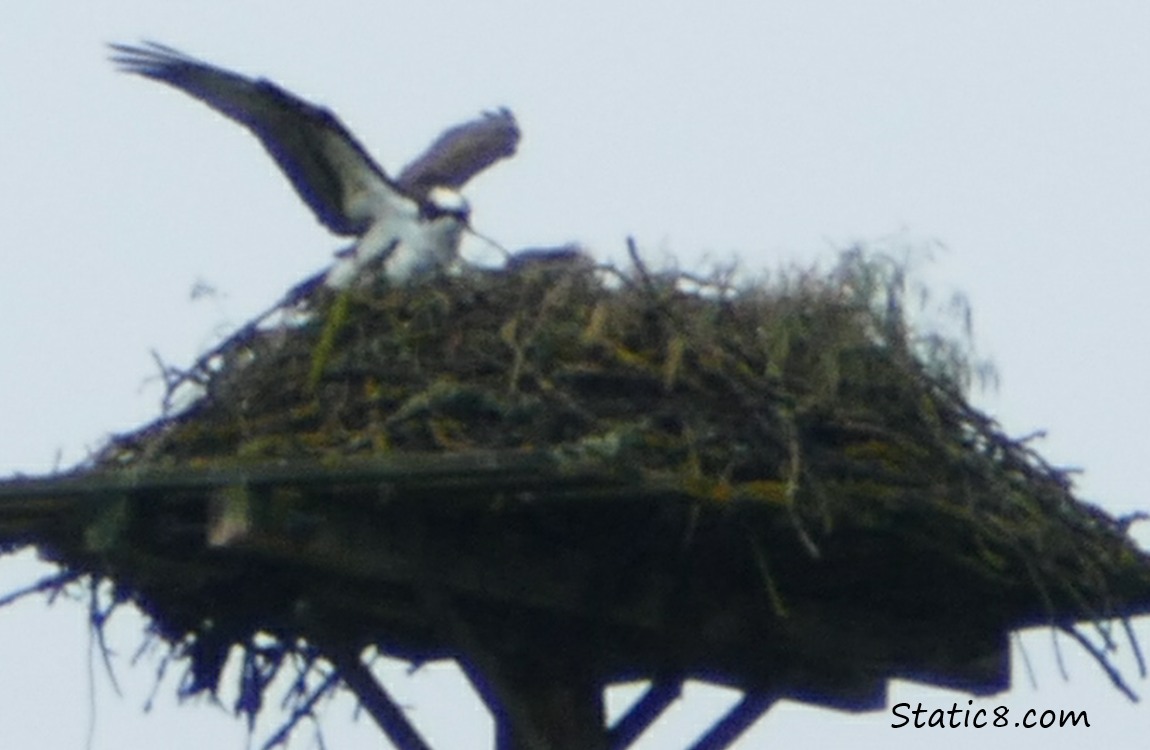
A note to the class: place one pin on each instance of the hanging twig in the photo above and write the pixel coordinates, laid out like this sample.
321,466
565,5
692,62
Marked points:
1100,657
303,711
48,583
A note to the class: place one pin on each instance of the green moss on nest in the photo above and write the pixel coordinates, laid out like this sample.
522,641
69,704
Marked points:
778,484
720,379
811,396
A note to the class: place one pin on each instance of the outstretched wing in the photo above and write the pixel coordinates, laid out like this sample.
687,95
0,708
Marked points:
329,169
461,153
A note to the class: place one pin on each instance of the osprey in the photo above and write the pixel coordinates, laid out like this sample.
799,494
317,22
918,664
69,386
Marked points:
412,223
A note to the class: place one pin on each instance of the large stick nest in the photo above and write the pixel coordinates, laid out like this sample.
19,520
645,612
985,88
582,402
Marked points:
813,395
807,404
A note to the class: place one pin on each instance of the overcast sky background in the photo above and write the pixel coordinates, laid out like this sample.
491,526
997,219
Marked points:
1014,138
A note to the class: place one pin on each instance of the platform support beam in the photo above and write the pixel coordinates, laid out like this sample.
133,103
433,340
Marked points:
644,713
739,719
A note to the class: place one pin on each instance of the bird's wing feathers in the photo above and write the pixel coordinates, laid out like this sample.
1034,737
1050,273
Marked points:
324,162
461,153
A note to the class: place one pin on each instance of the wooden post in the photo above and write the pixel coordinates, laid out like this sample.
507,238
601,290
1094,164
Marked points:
542,698
547,709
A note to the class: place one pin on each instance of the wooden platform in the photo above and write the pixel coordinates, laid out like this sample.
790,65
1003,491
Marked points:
546,584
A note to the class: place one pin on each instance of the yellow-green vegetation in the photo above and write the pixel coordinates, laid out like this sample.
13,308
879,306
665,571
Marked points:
660,372
777,480
810,393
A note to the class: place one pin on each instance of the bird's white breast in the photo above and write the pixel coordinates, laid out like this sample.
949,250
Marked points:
409,244
425,247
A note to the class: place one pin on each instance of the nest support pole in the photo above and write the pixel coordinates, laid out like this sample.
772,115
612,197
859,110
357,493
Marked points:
539,708
539,701
550,699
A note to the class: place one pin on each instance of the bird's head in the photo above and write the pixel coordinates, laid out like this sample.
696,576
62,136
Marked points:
444,201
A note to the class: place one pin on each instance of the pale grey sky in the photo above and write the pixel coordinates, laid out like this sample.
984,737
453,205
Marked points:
1013,135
